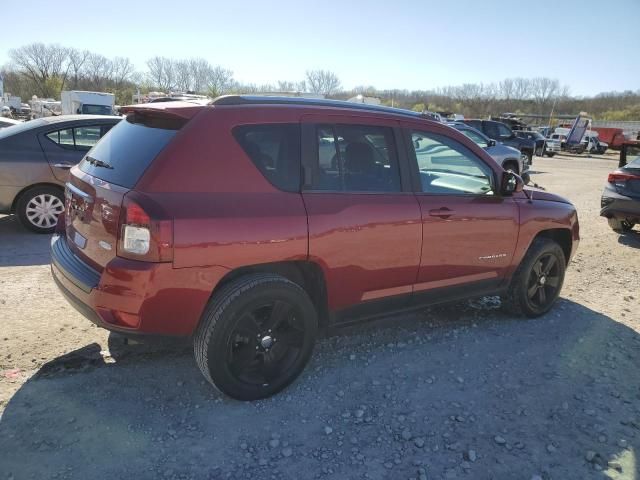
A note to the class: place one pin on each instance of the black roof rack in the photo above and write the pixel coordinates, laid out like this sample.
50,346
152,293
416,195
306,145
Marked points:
312,102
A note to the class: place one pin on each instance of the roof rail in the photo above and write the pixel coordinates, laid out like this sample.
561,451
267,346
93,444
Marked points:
313,102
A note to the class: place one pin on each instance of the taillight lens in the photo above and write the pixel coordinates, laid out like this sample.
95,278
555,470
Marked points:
619,178
144,233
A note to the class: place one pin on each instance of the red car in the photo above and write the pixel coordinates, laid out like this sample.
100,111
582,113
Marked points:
253,223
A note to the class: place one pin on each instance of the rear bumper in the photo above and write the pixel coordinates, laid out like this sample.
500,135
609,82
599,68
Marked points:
614,205
134,297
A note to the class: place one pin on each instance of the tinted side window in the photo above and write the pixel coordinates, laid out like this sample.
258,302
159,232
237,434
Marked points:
448,167
356,158
275,151
78,138
64,138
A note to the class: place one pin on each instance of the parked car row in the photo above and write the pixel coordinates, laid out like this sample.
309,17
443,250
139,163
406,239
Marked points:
502,133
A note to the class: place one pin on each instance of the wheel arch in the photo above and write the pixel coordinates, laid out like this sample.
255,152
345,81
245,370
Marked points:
32,186
306,274
562,236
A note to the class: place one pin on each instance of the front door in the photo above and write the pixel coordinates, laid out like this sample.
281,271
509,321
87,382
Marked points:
364,221
469,229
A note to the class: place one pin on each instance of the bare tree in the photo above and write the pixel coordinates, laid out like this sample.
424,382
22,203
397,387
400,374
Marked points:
77,59
521,88
161,73
544,89
122,70
219,81
44,65
286,86
99,70
199,68
183,75
322,81
506,88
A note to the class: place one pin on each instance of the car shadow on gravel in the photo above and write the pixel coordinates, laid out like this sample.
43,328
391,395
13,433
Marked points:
457,391
630,239
21,247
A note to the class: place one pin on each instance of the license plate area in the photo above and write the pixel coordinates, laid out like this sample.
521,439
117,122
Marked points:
79,240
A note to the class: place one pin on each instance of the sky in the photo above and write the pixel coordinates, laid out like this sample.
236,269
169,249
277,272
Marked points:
590,46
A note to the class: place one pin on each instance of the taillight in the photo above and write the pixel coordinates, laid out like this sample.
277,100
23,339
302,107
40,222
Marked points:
619,179
144,233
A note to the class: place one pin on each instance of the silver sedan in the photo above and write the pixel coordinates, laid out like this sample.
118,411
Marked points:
510,158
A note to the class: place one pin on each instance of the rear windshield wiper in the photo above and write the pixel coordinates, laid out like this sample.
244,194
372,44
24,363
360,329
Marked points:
98,163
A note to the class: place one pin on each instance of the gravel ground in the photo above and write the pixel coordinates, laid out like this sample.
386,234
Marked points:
458,391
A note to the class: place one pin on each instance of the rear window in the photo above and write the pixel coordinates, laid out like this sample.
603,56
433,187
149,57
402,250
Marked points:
97,110
275,151
122,156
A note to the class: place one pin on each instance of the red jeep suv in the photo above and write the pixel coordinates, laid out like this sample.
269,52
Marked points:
253,222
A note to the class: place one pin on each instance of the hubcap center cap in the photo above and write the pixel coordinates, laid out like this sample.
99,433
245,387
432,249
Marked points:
543,280
266,341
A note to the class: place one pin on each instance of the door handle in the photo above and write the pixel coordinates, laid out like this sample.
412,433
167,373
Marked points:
62,165
443,212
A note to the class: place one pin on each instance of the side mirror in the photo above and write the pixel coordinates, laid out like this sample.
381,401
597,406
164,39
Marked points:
492,143
511,183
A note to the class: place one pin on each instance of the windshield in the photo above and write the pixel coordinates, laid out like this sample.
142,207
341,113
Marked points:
96,109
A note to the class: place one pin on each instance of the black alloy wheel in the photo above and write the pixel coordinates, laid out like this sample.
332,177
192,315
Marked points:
536,284
544,281
265,343
256,336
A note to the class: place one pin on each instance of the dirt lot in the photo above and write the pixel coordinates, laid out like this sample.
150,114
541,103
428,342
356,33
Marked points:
462,391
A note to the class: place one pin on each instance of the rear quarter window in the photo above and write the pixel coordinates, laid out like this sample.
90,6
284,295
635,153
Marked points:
127,150
275,150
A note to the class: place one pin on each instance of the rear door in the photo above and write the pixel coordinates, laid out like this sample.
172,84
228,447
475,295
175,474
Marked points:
64,147
364,221
98,184
469,230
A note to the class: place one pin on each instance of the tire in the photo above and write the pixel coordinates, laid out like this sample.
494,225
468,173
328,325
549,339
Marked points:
620,226
550,154
39,207
529,158
245,366
524,297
